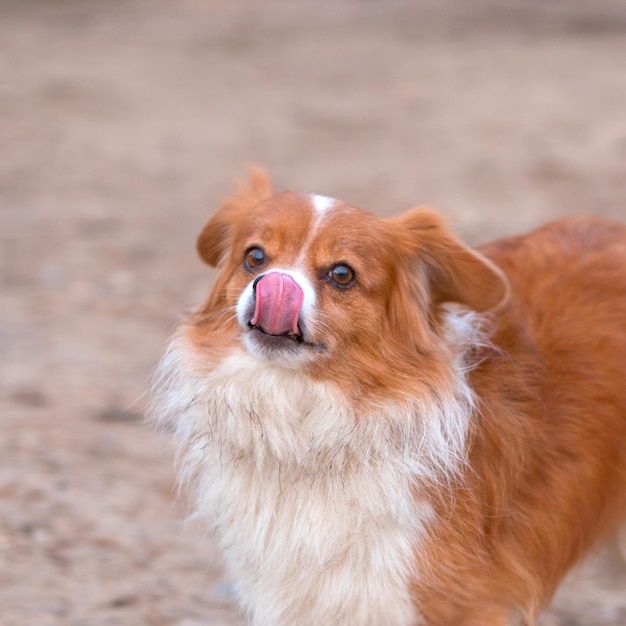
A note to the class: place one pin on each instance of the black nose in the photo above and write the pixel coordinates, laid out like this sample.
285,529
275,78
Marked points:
256,280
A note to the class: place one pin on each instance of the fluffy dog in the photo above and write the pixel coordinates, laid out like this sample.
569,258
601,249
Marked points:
386,427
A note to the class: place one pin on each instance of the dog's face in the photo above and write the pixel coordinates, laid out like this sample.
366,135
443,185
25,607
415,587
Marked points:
309,282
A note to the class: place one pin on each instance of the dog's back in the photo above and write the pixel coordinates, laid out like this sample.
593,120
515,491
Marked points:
569,282
550,449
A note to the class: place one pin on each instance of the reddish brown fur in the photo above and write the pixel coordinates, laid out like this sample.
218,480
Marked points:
547,460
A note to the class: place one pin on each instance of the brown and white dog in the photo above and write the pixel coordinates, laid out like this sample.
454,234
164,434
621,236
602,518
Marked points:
385,427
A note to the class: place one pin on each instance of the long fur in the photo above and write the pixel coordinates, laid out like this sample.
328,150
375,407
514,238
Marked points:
268,449
456,444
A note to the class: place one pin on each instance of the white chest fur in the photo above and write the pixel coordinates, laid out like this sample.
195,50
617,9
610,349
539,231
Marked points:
313,505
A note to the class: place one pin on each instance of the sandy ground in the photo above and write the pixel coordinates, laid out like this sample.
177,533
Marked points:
121,125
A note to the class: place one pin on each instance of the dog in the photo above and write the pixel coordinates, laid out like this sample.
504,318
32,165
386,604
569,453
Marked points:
383,426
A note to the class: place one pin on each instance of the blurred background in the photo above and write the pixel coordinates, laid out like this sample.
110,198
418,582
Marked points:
123,123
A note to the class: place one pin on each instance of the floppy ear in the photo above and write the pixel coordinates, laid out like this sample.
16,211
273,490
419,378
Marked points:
455,273
215,238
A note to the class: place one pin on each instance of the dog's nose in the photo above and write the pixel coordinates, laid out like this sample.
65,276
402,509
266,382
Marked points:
256,280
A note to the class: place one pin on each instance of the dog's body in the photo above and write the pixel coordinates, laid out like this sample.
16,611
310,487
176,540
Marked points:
387,428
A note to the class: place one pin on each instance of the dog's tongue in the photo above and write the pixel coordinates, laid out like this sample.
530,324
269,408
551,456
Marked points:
278,303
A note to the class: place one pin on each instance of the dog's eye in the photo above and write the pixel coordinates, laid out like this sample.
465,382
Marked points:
342,276
255,257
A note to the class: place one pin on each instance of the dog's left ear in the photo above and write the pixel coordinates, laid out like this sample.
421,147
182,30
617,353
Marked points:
454,272
215,238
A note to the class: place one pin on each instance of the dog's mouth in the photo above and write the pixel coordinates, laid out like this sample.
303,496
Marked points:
284,340
294,336
273,317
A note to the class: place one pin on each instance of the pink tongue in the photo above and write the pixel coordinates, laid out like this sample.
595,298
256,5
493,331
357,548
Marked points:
278,303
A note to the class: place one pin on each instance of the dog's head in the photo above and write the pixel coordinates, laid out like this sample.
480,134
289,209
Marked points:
309,282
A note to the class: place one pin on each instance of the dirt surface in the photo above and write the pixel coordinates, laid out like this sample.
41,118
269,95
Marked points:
121,125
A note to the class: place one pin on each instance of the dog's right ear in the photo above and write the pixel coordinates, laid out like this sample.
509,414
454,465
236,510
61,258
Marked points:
215,238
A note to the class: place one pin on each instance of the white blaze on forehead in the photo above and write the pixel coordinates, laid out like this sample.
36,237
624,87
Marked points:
321,203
